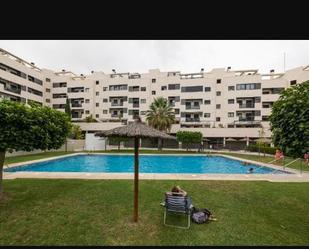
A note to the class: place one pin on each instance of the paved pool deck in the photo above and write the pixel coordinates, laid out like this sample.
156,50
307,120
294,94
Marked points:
295,176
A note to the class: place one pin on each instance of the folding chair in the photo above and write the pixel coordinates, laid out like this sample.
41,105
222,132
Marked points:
177,204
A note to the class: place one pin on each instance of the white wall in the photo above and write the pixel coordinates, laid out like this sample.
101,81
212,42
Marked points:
94,143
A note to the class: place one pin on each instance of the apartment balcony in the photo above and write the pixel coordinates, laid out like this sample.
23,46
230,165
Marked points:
116,104
13,89
193,107
246,119
242,106
77,105
192,120
135,105
77,116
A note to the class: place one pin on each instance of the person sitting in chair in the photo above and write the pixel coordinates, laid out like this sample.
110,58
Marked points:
177,191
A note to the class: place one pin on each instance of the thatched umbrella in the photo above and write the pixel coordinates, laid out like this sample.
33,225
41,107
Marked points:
135,130
229,139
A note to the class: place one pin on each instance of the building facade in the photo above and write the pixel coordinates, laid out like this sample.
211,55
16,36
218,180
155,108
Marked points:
220,103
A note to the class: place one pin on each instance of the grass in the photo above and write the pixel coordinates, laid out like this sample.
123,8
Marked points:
296,165
99,212
19,159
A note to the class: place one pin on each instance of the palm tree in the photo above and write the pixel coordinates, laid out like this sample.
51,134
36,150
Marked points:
160,116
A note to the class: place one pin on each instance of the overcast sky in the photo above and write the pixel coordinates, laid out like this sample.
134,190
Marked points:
140,55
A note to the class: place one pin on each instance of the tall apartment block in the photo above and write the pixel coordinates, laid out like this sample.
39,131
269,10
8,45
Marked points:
220,103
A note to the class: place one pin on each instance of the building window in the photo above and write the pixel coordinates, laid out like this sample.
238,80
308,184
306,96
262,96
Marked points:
97,93
153,80
143,89
218,81
143,112
163,88
264,118
87,100
206,115
86,90
97,82
87,112
105,100
143,101
97,115
218,93
47,80
231,88
104,111
104,89
176,111
47,90
47,100
218,106
293,82
97,104
231,101
207,89
230,114
207,102
218,119
153,92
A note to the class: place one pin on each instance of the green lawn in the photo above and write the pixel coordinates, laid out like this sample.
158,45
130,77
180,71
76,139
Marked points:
296,165
99,212
19,159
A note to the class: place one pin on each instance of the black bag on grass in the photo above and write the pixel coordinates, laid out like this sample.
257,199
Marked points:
200,216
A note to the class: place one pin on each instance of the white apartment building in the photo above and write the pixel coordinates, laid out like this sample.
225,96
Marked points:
220,103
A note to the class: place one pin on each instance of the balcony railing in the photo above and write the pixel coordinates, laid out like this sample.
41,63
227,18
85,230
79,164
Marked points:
192,107
117,104
192,120
13,90
246,119
76,116
246,106
77,105
135,104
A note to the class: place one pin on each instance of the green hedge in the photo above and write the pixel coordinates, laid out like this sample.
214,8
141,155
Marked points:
266,149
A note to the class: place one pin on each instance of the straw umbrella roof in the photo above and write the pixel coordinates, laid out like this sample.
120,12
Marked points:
135,129
243,139
230,139
264,140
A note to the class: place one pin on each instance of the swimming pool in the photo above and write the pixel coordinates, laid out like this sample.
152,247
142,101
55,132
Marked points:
148,164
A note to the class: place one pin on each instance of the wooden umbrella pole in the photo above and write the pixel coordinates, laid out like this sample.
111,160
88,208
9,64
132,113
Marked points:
136,145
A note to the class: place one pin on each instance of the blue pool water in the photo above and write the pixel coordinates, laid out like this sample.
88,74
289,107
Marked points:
148,164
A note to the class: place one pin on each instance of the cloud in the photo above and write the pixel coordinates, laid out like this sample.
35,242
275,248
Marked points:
82,56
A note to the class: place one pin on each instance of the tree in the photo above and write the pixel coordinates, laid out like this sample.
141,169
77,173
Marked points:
290,120
160,116
76,132
67,109
90,119
189,137
25,127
